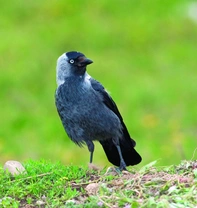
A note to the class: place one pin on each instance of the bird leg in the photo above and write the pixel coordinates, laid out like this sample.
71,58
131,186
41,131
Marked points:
122,162
90,145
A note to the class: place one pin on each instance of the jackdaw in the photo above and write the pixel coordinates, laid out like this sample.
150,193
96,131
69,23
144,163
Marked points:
88,112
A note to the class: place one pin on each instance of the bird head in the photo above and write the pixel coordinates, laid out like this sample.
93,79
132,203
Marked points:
71,64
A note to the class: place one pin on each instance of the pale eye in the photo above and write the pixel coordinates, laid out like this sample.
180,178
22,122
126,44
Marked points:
71,61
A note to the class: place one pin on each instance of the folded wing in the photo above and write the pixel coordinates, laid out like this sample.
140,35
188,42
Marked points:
127,144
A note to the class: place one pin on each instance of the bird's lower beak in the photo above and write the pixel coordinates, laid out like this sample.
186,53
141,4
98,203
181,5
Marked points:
84,61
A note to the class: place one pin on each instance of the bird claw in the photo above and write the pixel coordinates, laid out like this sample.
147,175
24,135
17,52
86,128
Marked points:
120,169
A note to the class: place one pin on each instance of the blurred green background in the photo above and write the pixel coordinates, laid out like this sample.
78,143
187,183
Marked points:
144,53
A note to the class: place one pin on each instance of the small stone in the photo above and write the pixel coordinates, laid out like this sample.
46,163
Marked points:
70,201
40,202
14,167
91,166
92,188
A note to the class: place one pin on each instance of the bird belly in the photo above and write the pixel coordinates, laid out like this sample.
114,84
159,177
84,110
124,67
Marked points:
84,119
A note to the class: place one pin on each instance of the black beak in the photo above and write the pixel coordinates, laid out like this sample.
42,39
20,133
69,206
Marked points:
88,61
83,61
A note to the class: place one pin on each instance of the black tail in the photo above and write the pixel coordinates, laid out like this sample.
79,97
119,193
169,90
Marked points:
130,155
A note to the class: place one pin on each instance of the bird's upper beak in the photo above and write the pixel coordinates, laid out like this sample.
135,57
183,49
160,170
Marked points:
83,61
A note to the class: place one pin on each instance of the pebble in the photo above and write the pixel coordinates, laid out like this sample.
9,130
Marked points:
40,202
14,167
92,188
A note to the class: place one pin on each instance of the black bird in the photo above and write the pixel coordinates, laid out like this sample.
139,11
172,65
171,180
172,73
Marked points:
88,112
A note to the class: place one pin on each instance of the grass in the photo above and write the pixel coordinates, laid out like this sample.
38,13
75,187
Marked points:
144,53
48,184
